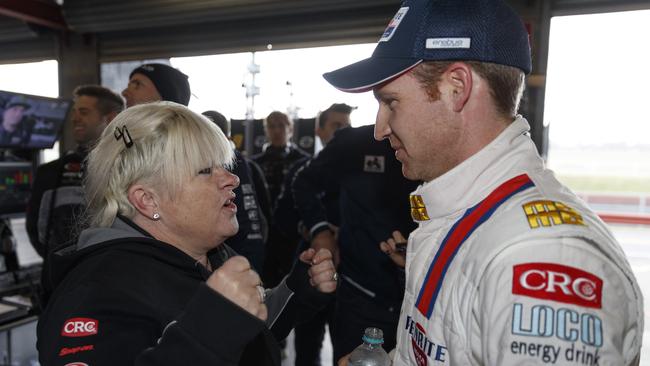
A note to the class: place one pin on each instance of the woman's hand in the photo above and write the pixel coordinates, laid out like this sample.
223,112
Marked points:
236,281
322,274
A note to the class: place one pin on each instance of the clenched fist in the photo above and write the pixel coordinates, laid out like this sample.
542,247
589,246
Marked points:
236,281
322,273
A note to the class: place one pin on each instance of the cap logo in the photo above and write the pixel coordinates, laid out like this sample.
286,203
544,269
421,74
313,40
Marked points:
442,43
392,26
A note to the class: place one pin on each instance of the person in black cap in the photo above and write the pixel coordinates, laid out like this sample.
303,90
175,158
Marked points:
12,129
507,266
154,82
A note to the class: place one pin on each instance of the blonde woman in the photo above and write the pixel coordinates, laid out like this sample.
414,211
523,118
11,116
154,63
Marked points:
150,282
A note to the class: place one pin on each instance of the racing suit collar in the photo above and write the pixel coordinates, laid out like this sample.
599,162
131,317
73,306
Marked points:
469,182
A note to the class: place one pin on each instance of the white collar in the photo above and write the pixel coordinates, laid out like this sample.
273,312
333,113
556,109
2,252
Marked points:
473,179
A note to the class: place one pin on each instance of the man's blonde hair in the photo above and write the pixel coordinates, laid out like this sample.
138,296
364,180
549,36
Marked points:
171,144
506,83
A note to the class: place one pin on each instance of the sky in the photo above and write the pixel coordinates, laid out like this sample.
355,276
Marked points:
287,79
598,77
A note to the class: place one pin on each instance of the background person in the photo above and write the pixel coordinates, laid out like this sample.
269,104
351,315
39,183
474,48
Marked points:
153,82
279,153
373,203
56,202
309,335
505,258
251,198
151,282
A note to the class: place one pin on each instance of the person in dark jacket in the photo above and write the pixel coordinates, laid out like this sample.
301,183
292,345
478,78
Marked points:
150,282
56,199
309,335
374,203
56,202
279,153
250,240
278,157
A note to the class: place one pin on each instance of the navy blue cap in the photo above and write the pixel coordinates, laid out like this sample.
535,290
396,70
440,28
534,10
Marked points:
440,30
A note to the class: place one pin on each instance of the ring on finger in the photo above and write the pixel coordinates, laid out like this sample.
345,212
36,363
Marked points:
261,292
335,277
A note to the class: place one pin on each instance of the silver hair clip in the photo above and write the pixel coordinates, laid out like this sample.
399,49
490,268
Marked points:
123,134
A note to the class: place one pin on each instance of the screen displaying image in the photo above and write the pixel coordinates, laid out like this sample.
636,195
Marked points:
30,122
15,184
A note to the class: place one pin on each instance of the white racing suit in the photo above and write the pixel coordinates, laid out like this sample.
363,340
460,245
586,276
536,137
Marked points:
509,267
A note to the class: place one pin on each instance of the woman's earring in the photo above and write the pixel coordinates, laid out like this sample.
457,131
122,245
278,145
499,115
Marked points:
156,216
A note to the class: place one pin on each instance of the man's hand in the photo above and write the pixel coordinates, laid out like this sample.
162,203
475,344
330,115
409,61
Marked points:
343,361
236,281
322,274
395,248
327,240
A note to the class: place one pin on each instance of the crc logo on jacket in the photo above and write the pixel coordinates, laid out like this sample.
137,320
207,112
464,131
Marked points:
550,281
80,327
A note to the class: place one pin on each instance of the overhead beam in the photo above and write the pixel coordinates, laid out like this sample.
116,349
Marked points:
34,11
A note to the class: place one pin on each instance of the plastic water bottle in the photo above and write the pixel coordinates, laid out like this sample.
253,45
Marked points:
370,352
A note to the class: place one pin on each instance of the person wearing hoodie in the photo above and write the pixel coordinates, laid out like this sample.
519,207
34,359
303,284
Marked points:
150,281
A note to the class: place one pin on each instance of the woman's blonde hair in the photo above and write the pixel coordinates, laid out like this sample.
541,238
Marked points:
170,144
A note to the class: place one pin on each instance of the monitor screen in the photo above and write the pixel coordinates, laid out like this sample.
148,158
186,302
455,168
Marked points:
29,121
15,186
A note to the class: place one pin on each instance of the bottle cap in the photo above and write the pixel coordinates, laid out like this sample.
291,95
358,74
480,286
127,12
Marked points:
373,336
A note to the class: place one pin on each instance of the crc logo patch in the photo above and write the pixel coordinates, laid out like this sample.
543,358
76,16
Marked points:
423,347
551,213
80,327
550,281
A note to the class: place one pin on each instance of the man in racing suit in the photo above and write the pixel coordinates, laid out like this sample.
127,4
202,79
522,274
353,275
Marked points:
507,266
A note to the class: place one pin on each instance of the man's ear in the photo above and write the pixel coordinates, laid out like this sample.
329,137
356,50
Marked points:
460,82
143,199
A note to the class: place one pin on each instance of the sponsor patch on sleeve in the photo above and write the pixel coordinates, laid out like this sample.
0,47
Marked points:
550,213
556,282
80,327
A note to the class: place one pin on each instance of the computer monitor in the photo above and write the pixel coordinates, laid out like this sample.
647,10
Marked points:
29,121
15,186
